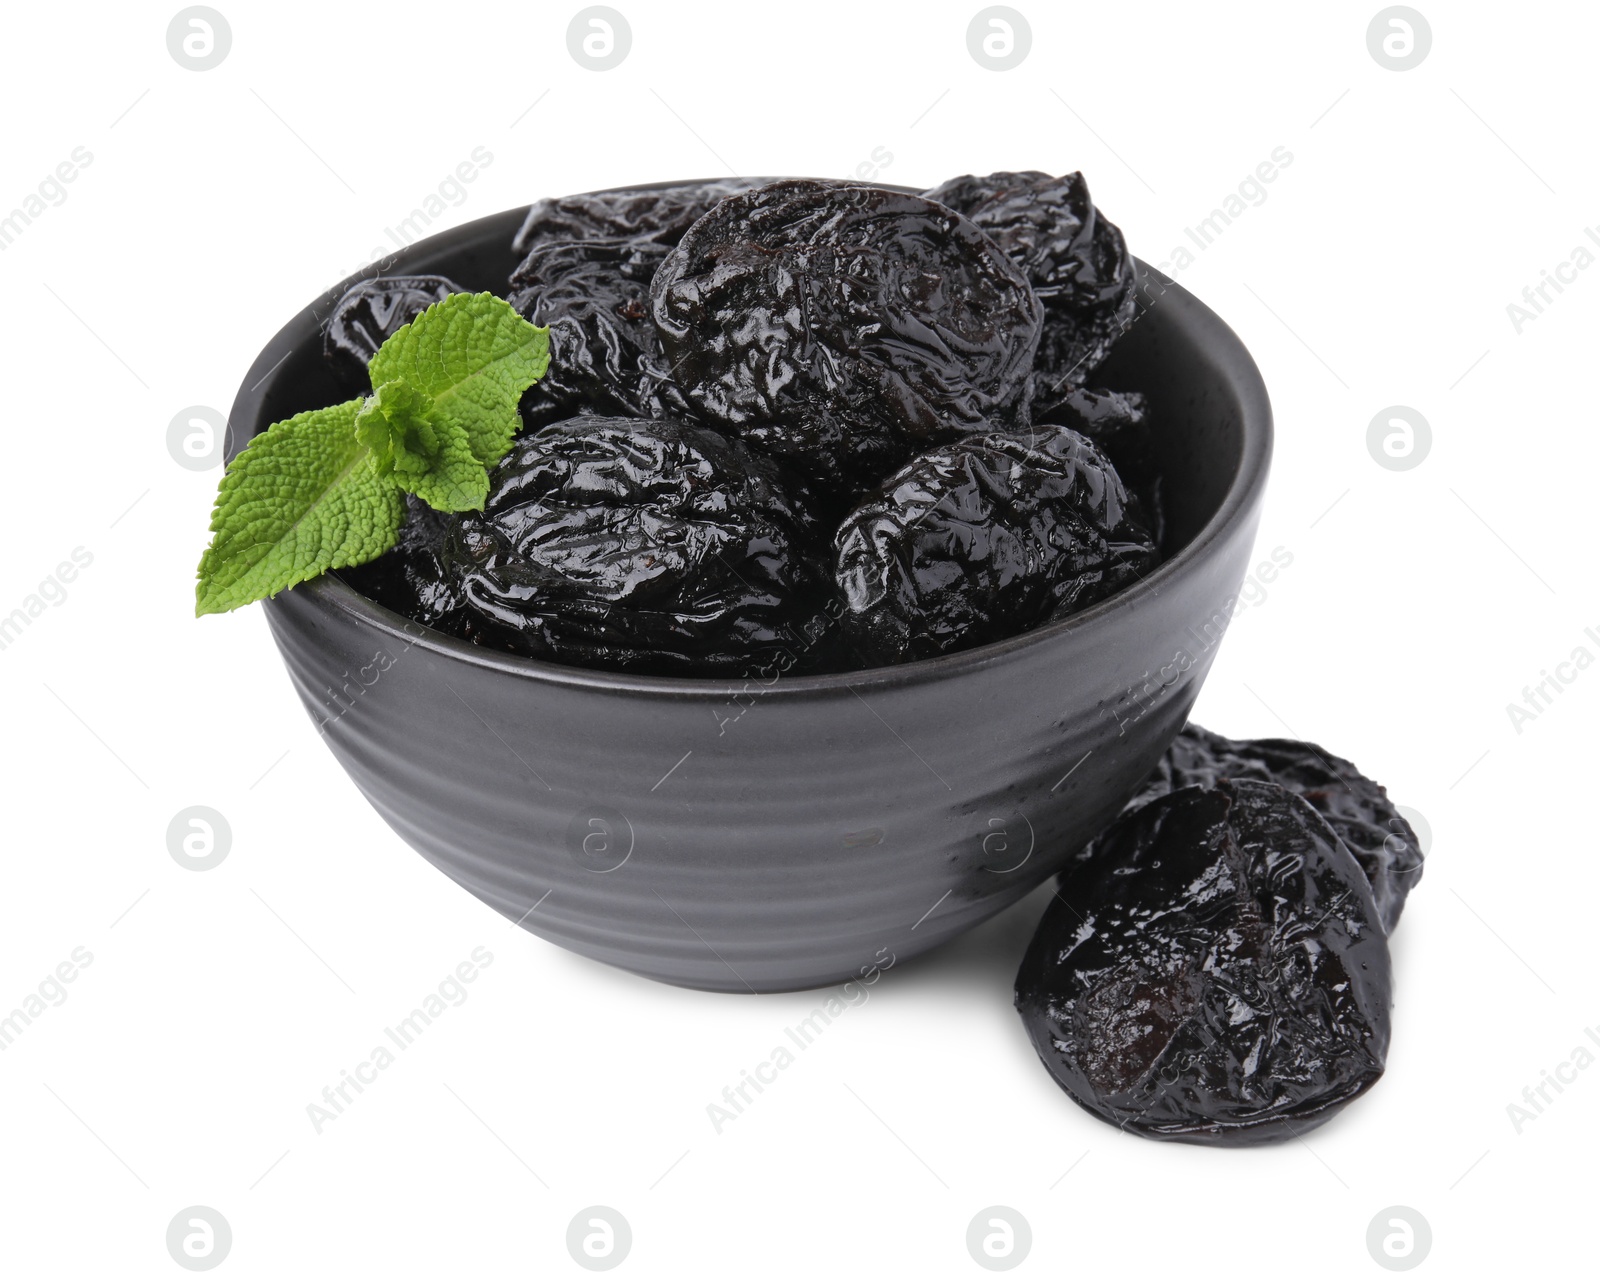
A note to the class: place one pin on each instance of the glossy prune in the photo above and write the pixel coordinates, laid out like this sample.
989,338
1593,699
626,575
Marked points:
1120,425
984,538
372,312
840,454
853,325
605,353
1076,260
416,578
663,213
1358,808
1117,421
1212,970
653,546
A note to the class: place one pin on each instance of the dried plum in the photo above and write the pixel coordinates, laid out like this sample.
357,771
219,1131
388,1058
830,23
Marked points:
605,353
417,578
1358,809
1076,260
840,456
373,311
1119,423
851,324
663,213
661,547
984,538
1213,972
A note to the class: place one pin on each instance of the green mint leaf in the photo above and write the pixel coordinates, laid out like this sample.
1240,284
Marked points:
426,452
473,356
302,498
456,480
326,489
395,424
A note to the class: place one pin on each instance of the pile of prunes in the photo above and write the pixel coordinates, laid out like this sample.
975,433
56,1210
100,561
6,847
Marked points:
804,426
1214,967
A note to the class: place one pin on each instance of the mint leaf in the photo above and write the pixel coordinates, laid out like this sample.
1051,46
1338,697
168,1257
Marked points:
302,498
473,356
457,480
426,452
326,489
394,422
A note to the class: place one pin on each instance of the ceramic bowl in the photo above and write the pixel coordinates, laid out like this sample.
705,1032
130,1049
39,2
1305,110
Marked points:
754,837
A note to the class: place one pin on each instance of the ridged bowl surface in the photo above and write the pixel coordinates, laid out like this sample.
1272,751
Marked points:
746,837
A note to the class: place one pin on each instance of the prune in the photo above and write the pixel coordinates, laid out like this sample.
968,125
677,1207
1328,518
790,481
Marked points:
1117,421
664,214
1119,424
1076,260
847,324
983,538
417,577
605,353
372,312
840,455
653,546
1358,809
1214,971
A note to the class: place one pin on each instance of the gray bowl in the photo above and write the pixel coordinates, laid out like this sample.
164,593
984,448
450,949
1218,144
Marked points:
753,837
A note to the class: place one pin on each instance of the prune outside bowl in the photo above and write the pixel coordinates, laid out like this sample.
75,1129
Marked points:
765,835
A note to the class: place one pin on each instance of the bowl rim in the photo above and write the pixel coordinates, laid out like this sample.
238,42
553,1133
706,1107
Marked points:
1238,505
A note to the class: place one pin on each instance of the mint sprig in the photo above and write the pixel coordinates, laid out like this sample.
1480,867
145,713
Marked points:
427,453
325,489
299,500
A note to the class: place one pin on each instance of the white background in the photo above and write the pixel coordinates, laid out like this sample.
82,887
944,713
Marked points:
1418,604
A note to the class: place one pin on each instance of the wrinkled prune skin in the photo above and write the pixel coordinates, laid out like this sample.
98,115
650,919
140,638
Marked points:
840,455
372,312
586,270
1212,971
663,214
984,538
1358,808
416,578
1076,260
660,547
605,353
1117,421
1119,424
847,324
